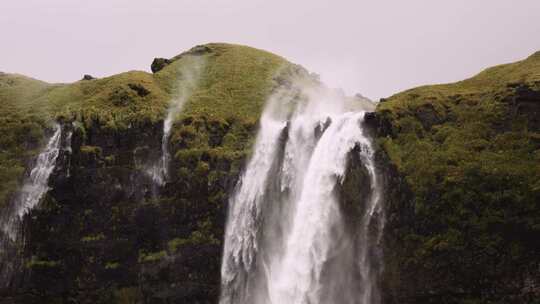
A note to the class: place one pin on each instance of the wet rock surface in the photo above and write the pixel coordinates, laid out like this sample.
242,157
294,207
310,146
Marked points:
105,234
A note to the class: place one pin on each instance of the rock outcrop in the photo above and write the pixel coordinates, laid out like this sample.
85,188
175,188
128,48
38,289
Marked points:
158,64
460,163
88,77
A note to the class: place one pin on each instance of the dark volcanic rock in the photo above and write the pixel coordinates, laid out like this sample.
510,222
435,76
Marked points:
158,64
88,77
106,234
377,125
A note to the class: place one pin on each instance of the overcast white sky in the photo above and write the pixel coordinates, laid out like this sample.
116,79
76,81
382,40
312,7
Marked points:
376,48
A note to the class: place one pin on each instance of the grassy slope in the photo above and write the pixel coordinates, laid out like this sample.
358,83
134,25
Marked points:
235,82
20,128
232,87
472,161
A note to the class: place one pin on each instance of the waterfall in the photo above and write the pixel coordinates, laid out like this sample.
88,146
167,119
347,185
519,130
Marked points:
30,194
160,170
286,237
187,76
241,231
34,186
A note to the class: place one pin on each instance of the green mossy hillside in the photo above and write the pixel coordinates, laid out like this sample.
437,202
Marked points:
234,80
21,129
106,232
222,83
225,88
470,153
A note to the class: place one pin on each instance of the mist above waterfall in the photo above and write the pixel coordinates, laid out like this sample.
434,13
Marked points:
186,81
286,239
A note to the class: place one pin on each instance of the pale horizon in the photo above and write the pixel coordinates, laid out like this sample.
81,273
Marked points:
348,43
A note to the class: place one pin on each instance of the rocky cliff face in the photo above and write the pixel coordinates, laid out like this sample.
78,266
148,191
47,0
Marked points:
462,197
106,233
459,164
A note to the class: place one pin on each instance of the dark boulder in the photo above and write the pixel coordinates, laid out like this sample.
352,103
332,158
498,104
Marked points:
159,63
88,77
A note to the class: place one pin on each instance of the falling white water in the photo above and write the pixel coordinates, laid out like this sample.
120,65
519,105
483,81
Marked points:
34,186
188,77
317,222
373,216
286,241
160,170
241,231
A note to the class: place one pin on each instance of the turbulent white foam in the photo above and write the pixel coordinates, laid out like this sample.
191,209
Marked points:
317,222
370,269
241,233
245,205
286,240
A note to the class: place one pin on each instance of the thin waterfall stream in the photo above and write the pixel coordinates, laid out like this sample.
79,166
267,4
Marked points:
286,238
188,78
34,187
160,170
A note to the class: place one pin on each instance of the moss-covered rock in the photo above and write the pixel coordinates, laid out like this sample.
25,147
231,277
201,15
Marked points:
105,233
469,157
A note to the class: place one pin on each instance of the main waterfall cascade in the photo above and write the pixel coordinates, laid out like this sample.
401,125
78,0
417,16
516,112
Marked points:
286,238
28,197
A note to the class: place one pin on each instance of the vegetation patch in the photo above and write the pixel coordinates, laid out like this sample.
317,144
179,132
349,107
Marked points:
112,265
93,238
469,153
149,257
35,262
231,89
202,236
